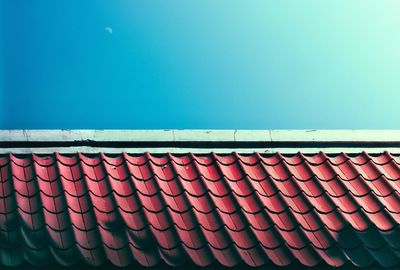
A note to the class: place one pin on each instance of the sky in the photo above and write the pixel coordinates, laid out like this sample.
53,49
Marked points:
97,64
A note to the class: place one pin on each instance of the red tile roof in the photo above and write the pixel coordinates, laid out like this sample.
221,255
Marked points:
252,209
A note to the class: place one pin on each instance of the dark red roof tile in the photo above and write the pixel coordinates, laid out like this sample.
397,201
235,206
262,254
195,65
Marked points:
202,208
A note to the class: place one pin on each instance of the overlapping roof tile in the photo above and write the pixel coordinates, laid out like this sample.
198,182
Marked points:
230,209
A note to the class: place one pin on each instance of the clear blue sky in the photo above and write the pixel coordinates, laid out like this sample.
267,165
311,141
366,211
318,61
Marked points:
199,64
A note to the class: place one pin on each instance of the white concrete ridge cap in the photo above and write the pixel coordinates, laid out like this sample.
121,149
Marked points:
177,150
200,135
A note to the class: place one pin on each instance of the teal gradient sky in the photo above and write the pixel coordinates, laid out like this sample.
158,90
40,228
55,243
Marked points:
200,64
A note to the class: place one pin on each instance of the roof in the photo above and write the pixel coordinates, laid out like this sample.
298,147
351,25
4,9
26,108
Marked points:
202,209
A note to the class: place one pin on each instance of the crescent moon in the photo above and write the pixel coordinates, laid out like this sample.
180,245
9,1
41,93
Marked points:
108,29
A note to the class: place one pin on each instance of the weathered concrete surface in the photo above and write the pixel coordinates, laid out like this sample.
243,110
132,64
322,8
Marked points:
201,135
176,150
302,140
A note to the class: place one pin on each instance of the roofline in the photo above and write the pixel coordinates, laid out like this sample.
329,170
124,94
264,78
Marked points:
202,135
180,141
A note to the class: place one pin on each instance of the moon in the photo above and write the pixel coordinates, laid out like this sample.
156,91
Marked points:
108,29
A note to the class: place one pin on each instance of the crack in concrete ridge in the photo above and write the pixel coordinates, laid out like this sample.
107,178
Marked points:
26,135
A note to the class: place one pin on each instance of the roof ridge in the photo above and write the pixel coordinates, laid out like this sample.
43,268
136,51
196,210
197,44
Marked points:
199,141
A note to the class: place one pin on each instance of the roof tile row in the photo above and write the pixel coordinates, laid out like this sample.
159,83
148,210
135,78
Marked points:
231,209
